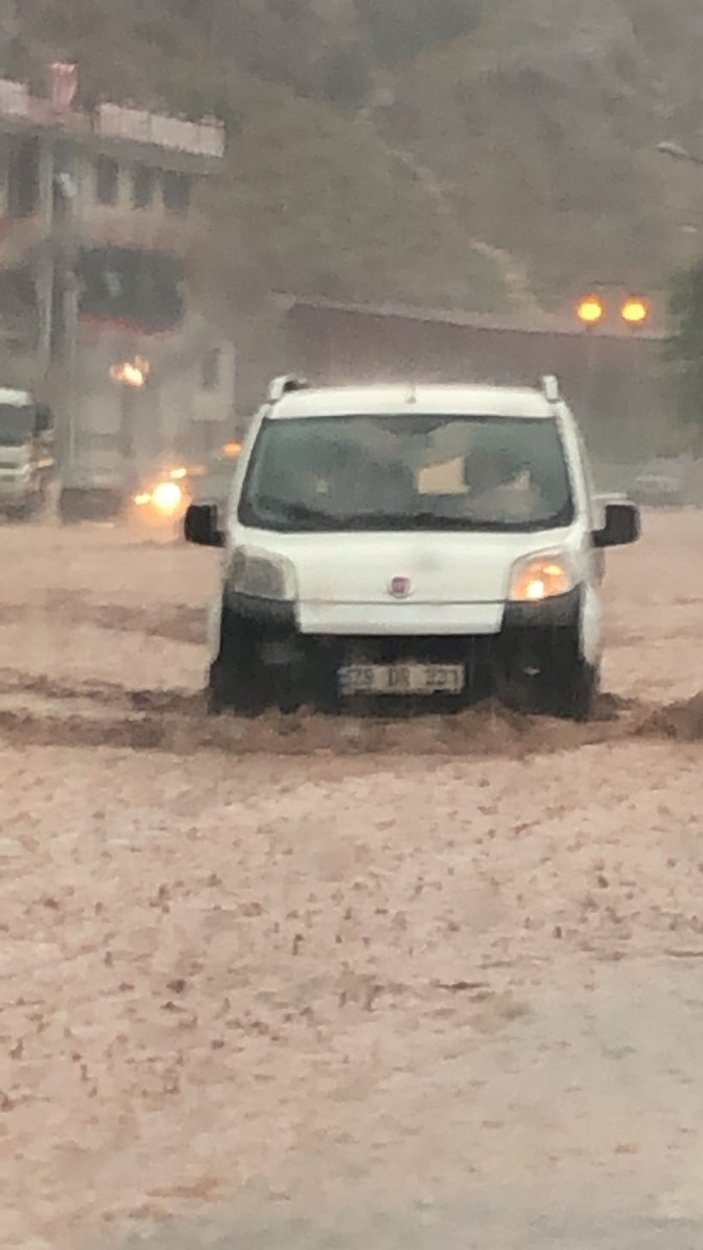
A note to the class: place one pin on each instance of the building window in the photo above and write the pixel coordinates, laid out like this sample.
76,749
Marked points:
20,309
210,371
128,285
107,180
177,189
143,186
23,178
57,325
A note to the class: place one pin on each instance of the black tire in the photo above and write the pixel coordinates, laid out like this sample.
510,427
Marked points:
76,505
575,696
237,682
566,688
71,510
229,690
19,516
30,510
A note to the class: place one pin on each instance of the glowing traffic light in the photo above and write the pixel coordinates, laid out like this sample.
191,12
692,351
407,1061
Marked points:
590,310
635,312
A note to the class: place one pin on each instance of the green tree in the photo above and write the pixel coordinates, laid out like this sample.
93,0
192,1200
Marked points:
685,348
401,29
345,77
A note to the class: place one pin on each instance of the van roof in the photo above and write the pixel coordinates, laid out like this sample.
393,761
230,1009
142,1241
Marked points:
483,401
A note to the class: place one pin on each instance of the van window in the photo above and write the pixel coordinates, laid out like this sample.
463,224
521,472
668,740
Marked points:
408,472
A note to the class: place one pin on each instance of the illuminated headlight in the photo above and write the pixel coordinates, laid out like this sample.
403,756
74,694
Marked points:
261,576
540,577
166,497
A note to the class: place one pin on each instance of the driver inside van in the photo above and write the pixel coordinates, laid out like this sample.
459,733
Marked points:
499,487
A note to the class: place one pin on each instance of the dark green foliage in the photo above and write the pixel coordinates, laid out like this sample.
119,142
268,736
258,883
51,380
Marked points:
399,29
345,77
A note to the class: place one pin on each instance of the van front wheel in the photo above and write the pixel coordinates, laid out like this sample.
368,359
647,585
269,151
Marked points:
574,694
567,689
236,681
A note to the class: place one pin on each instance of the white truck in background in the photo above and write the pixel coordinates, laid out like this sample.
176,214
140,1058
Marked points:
27,459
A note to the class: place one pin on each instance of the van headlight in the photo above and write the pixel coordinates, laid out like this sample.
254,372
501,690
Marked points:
261,576
541,576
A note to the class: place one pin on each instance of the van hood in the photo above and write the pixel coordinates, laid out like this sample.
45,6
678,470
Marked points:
434,568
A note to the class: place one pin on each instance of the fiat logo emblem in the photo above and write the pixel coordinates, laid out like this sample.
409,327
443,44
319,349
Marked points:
400,587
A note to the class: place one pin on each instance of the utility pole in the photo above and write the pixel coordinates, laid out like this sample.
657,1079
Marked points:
64,296
58,279
131,376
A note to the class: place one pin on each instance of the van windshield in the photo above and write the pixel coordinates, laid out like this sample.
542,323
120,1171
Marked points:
396,472
16,424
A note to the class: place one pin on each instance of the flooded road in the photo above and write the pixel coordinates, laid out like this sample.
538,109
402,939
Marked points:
307,983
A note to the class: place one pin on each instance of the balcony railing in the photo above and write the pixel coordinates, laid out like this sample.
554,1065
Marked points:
204,139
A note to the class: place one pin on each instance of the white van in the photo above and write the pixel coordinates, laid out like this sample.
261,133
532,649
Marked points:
410,546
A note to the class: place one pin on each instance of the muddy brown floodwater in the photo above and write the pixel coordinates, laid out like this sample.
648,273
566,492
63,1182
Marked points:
310,983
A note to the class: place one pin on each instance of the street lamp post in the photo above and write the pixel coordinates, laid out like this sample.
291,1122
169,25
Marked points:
590,311
679,153
131,376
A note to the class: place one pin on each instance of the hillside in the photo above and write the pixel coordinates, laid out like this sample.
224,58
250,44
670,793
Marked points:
440,152
312,200
543,125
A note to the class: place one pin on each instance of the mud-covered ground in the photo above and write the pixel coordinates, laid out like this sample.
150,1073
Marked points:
309,983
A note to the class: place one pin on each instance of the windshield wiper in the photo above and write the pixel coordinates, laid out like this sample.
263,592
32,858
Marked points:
269,510
400,521
283,510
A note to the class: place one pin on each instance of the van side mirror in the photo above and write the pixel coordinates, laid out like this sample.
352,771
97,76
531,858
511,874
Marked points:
621,526
200,526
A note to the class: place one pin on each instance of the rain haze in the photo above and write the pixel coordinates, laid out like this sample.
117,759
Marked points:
351,697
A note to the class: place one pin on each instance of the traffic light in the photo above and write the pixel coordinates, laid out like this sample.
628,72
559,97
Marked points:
635,311
590,310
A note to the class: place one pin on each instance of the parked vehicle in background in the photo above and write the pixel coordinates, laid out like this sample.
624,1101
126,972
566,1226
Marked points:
663,483
159,504
27,461
670,483
411,546
213,484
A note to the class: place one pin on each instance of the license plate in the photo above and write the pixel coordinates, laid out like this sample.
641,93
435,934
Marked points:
402,679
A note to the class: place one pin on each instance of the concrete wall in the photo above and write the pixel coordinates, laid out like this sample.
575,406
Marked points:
617,385
173,412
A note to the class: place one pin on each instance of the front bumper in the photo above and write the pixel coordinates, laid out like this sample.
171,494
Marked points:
412,620
531,642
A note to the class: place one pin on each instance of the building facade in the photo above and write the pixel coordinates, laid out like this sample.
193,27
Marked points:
99,223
